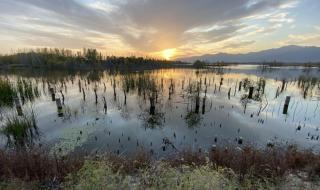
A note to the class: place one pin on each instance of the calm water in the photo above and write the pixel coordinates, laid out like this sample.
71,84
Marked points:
188,108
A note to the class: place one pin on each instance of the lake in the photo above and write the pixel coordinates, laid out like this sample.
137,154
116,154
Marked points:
169,110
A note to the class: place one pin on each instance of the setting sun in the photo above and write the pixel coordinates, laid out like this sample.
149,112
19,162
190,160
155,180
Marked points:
168,53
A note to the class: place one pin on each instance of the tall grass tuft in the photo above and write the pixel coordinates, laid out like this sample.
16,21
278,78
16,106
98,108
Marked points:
27,90
7,92
21,131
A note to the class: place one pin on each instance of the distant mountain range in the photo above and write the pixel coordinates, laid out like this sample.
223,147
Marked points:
286,54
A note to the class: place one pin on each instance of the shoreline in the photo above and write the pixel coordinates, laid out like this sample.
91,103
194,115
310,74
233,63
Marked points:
245,168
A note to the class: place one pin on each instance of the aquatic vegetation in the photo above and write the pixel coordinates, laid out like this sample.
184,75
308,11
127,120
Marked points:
307,85
128,82
152,120
189,108
27,90
21,131
7,93
252,91
72,139
148,90
255,90
193,119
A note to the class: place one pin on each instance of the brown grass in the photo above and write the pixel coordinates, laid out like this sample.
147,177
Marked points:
139,160
36,165
270,162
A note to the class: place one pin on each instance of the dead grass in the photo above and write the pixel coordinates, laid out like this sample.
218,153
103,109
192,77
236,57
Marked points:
36,165
247,162
126,165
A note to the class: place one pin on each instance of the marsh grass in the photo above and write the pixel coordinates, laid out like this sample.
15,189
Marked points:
7,92
192,119
27,90
307,85
21,131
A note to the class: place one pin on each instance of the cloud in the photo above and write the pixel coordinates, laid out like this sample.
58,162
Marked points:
133,25
74,13
239,44
302,39
171,18
317,28
281,18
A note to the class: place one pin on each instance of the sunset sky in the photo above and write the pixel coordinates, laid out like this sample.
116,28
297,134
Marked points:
160,28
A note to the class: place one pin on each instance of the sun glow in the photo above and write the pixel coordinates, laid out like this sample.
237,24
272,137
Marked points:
168,53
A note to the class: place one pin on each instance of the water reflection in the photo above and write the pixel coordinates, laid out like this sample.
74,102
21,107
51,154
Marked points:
121,112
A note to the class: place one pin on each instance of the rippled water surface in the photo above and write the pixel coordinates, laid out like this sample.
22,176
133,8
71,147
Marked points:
165,111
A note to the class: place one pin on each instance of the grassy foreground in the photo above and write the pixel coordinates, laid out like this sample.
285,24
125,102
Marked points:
273,168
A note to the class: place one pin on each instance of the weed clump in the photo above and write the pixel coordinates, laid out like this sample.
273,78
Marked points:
31,165
21,131
7,93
